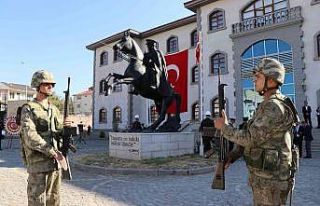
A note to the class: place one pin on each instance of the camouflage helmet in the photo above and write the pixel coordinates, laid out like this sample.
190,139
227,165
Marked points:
40,77
271,68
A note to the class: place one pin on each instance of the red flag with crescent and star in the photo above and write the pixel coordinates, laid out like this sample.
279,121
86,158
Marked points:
177,67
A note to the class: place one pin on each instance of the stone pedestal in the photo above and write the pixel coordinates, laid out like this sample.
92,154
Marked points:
138,146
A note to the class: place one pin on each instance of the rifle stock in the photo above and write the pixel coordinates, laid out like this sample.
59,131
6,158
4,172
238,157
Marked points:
219,177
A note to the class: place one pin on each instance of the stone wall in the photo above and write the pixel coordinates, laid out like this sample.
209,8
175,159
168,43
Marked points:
138,146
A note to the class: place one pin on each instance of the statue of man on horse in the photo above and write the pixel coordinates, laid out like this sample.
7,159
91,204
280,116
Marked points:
147,73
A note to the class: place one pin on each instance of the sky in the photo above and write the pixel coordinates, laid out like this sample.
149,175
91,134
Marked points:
52,35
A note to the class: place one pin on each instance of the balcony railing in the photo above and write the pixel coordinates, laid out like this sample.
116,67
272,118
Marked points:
277,17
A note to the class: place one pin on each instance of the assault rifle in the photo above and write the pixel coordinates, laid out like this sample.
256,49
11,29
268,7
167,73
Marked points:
219,178
67,135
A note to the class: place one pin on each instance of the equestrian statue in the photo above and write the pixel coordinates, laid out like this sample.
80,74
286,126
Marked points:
147,73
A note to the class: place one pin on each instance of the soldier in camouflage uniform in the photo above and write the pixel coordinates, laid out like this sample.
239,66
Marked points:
266,141
41,122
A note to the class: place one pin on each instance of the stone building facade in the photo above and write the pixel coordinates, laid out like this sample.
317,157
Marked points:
234,36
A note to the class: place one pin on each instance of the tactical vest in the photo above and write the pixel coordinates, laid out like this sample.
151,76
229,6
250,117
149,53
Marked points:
47,126
45,121
274,159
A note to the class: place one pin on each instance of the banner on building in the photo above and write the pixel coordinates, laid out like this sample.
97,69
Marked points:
177,66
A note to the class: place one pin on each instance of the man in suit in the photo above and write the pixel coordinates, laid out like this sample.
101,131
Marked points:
298,132
306,111
308,138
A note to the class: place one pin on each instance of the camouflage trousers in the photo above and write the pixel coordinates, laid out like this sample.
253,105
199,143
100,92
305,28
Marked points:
44,188
269,192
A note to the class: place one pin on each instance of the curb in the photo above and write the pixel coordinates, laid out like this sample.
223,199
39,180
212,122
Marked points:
128,171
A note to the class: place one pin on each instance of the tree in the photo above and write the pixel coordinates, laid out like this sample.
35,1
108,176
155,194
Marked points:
57,101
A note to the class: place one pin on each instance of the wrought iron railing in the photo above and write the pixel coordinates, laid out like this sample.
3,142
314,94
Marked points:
277,17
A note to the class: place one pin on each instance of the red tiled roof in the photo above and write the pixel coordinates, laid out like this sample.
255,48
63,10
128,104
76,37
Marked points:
84,93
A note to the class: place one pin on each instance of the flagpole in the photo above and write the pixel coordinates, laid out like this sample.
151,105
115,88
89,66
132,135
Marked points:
200,85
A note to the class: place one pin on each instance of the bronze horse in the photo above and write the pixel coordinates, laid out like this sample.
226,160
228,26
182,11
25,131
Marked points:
138,75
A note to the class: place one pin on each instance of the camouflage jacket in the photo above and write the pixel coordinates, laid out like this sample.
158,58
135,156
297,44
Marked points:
39,125
266,140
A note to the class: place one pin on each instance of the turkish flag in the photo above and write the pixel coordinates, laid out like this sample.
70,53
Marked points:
177,67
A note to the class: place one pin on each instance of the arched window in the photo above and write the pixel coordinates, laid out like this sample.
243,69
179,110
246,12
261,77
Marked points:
218,60
251,57
195,74
117,115
103,58
102,85
195,112
102,115
172,44
154,115
215,107
263,7
194,38
216,20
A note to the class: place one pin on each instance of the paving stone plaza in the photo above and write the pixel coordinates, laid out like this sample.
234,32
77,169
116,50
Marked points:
123,190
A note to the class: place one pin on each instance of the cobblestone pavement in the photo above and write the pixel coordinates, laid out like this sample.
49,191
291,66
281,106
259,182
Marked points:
120,190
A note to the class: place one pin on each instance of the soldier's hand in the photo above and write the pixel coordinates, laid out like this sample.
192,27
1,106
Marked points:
220,122
67,122
61,160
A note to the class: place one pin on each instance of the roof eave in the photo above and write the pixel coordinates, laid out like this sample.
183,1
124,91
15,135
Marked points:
171,25
193,5
133,33
112,38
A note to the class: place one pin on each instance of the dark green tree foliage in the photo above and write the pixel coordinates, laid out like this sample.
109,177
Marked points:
57,101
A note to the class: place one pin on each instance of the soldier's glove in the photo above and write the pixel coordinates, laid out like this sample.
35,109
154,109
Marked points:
61,160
